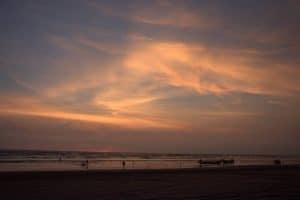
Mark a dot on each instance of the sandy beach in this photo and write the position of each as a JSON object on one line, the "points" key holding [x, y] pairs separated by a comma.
{"points": [[255, 182]]}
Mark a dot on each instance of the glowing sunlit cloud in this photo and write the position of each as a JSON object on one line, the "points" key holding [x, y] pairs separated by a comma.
{"points": [[124, 103], [119, 121], [208, 70], [30, 106], [190, 67]]}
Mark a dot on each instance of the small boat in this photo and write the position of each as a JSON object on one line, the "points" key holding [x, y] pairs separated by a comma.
{"points": [[216, 162]]}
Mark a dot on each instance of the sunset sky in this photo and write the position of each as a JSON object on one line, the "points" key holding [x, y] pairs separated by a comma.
{"points": [[150, 76]]}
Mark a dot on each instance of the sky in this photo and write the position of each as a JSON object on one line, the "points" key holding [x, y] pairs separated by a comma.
{"points": [[150, 76]]}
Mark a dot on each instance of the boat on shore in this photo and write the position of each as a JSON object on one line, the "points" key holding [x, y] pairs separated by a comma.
{"points": [[216, 162]]}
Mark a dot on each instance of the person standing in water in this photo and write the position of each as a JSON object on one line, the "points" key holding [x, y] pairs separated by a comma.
{"points": [[123, 164], [87, 164]]}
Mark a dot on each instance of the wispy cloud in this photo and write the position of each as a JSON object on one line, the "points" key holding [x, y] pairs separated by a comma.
{"points": [[210, 70], [36, 107], [147, 70], [162, 13]]}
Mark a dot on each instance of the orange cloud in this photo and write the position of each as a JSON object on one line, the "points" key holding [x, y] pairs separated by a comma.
{"points": [[34, 107], [130, 85], [208, 70]]}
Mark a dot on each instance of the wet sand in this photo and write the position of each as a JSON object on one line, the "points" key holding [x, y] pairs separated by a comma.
{"points": [[255, 182]]}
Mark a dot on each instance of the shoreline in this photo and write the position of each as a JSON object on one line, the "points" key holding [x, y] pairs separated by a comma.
{"points": [[159, 170]]}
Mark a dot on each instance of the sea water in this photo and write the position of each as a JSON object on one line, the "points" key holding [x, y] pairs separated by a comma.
{"points": [[28, 160]]}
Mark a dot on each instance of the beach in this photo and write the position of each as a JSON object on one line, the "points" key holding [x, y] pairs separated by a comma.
{"points": [[236, 182]]}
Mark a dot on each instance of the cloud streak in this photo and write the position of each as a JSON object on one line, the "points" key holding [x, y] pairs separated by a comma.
{"points": [[209, 70], [162, 13]]}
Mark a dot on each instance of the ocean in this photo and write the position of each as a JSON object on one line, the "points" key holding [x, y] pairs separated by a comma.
{"points": [[32, 160]]}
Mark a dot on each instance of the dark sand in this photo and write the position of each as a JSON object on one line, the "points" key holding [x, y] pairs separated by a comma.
{"points": [[226, 183]]}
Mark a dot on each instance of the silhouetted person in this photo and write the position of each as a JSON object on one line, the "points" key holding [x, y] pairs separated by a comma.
{"points": [[277, 162], [87, 164], [123, 164]]}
